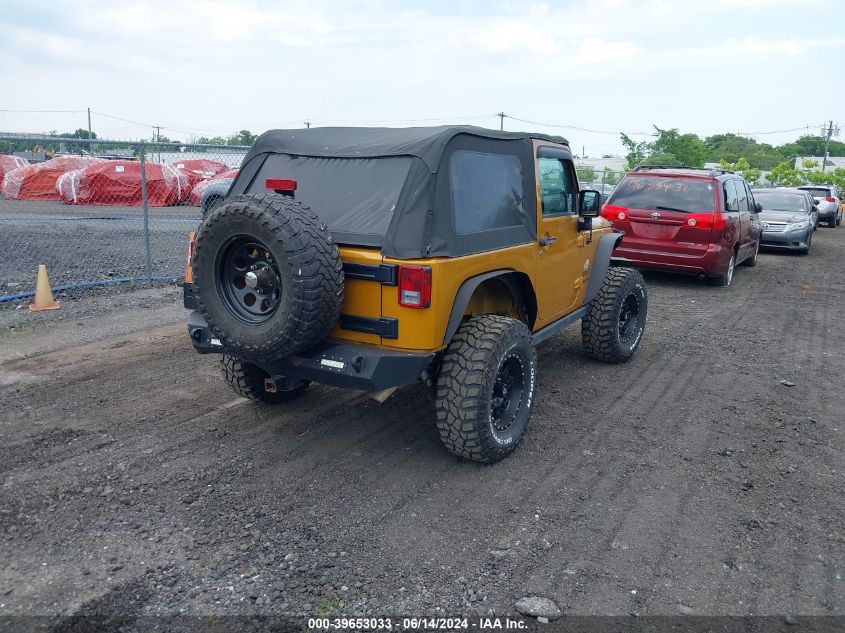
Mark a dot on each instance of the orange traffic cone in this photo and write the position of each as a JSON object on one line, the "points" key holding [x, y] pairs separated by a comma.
{"points": [[43, 295]]}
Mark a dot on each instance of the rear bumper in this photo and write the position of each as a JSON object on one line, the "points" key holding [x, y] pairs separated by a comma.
{"points": [[714, 261], [331, 363], [788, 240]]}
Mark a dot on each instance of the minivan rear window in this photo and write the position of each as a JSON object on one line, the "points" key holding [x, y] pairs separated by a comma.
{"points": [[663, 193]]}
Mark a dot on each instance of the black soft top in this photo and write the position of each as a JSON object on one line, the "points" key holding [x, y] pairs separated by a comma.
{"points": [[427, 143], [392, 188]]}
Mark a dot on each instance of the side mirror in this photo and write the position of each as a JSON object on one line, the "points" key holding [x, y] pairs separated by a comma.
{"points": [[758, 207], [589, 203]]}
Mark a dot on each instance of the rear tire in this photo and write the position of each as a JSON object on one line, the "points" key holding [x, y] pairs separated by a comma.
{"points": [[752, 261], [832, 223], [486, 388], [615, 321], [724, 280], [247, 380]]}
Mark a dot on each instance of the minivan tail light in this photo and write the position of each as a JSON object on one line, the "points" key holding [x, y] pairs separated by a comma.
{"points": [[706, 220], [610, 212], [830, 199], [415, 286]]}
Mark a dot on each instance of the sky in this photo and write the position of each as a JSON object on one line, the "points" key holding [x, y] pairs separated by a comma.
{"points": [[583, 69]]}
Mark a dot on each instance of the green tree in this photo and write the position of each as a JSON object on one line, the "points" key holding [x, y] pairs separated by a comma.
{"points": [[244, 137], [636, 152], [610, 177], [741, 167], [586, 173], [687, 149], [785, 175]]}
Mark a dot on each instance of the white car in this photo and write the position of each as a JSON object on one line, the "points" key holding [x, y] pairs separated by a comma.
{"points": [[827, 199]]}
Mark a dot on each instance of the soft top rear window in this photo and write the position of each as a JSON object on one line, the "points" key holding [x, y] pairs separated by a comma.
{"points": [[663, 193], [354, 196], [817, 192]]}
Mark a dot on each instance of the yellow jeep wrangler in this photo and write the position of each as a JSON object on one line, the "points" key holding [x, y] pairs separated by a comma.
{"points": [[373, 258]]}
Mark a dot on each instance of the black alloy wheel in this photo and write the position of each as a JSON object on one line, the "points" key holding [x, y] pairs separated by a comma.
{"points": [[508, 390], [248, 279]]}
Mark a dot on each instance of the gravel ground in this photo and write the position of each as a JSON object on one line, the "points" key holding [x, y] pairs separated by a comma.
{"points": [[88, 243], [704, 477]]}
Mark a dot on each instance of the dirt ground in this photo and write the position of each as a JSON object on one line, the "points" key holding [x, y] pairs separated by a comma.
{"points": [[704, 477]]}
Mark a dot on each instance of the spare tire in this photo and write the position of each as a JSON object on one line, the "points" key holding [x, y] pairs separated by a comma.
{"points": [[267, 276]]}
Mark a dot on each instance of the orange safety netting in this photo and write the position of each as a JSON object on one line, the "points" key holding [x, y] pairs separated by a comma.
{"points": [[118, 182], [9, 163], [38, 181], [199, 169]]}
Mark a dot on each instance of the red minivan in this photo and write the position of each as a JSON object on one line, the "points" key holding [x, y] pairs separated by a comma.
{"points": [[698, 221]]}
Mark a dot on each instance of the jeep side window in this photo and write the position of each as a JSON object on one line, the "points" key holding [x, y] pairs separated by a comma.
{"points": [[486, 191], [557, 186], [731, 199]]}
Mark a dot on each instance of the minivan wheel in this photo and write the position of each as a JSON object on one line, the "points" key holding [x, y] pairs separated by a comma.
{"points": [[613, 327], [726, 277], [752, 261], [486, 388]]}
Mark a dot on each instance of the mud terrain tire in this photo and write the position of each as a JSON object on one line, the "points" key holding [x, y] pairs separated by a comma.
{"points": [[486, 388], [613, 327], [305, 274], [247, 380]]}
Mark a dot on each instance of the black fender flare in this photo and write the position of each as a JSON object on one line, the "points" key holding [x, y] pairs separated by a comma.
{"points": [[468, 287], [601, 262]]}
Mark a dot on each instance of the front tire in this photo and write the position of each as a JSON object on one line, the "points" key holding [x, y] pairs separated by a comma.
{"points": [[248, 381], [614, 324], [806, 249], [486, 388]]}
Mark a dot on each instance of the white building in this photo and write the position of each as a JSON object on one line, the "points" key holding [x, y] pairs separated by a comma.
{"points": [[832, 162]]}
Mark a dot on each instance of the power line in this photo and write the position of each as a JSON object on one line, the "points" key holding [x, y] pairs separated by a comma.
{"points": [[44, 111], [574, 127]]}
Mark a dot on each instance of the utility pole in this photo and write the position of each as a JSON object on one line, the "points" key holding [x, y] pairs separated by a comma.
{"points": [[501, 116], [308, 124], [830, 132], [89, 130]]}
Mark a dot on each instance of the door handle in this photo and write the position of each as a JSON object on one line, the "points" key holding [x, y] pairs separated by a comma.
{"points": [[547, 239]]}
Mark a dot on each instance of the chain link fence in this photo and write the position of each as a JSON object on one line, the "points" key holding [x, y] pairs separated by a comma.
{"points": [[101, 213]]}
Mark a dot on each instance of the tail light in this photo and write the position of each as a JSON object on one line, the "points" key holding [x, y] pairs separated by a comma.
{"points": [[189, 271], [281, 185], [830, 199], [415, 286], [611, 213], [706, 220]]}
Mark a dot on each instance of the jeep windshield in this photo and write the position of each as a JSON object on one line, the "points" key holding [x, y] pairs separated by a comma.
{"points": [[686, 195]]}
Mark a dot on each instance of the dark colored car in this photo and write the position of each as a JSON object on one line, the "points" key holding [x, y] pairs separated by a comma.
{"points": [[214, 193], [789, 218], [827, 199], [697, 221]]}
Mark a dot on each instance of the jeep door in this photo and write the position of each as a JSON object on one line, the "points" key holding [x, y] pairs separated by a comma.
{"points": [[562, 266]]}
